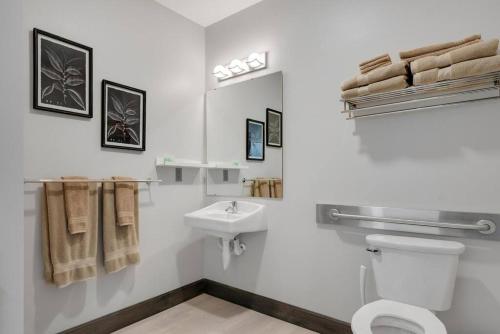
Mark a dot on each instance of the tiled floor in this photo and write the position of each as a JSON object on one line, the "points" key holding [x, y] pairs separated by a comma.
{"points": [[210, 315]]}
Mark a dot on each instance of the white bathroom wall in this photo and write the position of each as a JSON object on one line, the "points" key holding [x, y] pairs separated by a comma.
{"points": [[445, 158], [143, 45], [14, 103]]}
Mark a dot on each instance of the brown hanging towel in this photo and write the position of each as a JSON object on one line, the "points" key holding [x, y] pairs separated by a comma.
{"points": [[121, 242], [67, 258]]}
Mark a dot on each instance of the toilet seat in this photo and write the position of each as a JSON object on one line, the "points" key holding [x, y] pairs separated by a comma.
{"points": [[395, 314]]}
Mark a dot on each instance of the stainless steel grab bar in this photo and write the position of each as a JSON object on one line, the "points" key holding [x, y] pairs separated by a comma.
{"points": [[483, 226]]}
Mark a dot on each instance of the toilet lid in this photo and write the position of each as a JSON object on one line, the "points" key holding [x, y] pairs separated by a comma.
{"points": [[365, 316]]}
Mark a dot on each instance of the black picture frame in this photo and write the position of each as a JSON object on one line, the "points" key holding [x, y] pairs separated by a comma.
{"points": [[250, 139], [62, 75], [128, 104], [270, 135]]}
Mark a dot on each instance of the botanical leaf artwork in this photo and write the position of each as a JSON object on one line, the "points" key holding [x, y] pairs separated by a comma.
{"points": [[255, 138], [63, 76], [123, 117], [274, 128]]}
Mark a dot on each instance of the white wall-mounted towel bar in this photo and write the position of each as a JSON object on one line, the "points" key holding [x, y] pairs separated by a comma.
{"points": [[461, 224]]}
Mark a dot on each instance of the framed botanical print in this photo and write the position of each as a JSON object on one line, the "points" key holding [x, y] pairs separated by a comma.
{"points": [[274, 128], [62, 75], [123, 117], [255, 140]]}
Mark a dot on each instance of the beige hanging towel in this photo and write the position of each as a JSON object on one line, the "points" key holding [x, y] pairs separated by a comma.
{"points": [[474, 51], [278, 184], [438, 49], [276, 188], [379, 74], [264, 188], [67, 257], [121, 243], [387, 85], [272, 189], [76, 202], [256, 188], [124, 200], [460, 70]]}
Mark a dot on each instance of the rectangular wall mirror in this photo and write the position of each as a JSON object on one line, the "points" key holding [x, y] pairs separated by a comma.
{"points": [[245, 138]]}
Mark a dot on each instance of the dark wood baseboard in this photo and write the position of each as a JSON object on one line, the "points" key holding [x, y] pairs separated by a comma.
{"points": [[274, 308], [127, 316]]}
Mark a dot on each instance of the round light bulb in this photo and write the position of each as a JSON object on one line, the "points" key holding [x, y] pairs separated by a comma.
{"points": [[255, 60], [237, 66], [221, 72]]}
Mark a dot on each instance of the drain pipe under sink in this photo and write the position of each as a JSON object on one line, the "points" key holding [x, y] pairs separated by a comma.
{"points": [[229, 247]]}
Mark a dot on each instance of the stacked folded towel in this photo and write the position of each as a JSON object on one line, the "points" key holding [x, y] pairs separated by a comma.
{"points": [[476, 59], [474, 51], [457, 71], [374, 63], [383, 79], [437, 49], [429, 64]]}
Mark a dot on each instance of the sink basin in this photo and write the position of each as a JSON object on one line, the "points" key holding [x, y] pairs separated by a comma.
{"points": [[214, 219]]}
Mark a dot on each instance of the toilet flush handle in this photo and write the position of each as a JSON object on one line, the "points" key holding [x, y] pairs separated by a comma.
{"points": [[373, 250]]}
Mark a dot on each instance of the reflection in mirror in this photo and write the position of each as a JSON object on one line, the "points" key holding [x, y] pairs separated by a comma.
{"points": [[245, 138]]}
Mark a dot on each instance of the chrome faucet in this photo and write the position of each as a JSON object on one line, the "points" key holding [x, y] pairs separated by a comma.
{"points": [[233, 208]]}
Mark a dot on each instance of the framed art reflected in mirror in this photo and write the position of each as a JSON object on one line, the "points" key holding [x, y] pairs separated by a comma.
{"points": [[274, 128], [255, 140]]}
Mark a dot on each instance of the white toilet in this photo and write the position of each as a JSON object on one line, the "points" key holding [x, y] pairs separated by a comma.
{"points": [[415, 277]]}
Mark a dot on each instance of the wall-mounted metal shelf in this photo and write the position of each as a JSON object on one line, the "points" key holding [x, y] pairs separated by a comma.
{"points": [[434, 95]]}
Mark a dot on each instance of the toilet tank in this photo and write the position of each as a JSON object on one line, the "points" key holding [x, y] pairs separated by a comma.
{"points": [[415, 271]]}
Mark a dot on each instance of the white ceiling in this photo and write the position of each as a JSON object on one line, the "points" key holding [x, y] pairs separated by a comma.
{"points": [[207, 12]]}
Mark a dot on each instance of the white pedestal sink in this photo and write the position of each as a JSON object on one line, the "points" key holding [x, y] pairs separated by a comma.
{"points": [[220, 221]]}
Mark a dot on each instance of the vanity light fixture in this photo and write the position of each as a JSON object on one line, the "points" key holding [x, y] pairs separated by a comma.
{"points": [[237, 66], [221, 72], [255, 61]]}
